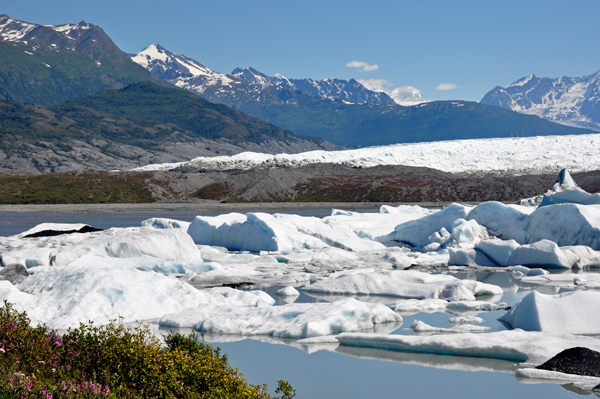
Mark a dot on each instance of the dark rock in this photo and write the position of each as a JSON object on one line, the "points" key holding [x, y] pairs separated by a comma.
{"points": [[52, 233], [15, 273], [578, 361]]}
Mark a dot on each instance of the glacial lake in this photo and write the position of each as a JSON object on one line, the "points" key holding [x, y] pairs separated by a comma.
{"points": [[347, 372]]}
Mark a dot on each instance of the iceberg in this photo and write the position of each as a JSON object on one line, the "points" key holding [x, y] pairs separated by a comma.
{"points": [[420, 327], [571, 312], [404, 284], [131, 242], [296, 320], [565, 190], [253, 232], [417, 232], [64, 296], [514, 345]]}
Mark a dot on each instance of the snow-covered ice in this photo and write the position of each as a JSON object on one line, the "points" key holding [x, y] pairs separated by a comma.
{"points": [[522, 154]]}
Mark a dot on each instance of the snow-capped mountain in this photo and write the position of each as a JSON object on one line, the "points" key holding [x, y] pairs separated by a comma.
{"points": [[50, 64], [71, 37], [180, 70], [569, 101], [246, 83]]}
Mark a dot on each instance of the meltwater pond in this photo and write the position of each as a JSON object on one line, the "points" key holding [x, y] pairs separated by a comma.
{"points": [[353, 372], [332, 371]]}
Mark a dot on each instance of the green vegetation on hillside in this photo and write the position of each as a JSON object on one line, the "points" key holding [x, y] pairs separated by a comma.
{"points": [[142, 114], [89, 187], [149, 105], [113, 361], [45, 77]]}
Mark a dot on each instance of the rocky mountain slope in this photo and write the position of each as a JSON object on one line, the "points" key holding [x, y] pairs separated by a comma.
{"points": [[140, 124], [48, 65], [570, 101], [341, 112]]}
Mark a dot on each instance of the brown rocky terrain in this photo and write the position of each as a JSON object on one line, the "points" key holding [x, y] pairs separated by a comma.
{"points": [[311, 183]]}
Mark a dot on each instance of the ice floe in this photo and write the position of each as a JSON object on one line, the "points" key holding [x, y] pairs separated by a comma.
{"points": [[420, 327], [172, 244], [573, 312], [300, 320], [404, 284], [515, 345]]}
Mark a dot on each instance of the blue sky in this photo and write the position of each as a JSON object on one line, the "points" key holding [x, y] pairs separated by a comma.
{"points": [[465, 47]]}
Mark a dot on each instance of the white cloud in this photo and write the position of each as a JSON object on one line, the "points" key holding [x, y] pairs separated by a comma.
{"points": [[405, 95], [374, 84], [446, 86], [362, 66]]}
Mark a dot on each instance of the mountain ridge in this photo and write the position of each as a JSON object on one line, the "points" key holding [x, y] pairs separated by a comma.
{"points": [[48, 65], [334, 117], [569, 101], [140, 124]]}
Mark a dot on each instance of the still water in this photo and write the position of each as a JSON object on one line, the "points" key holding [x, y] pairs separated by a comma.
{"points": [[346, 372]]}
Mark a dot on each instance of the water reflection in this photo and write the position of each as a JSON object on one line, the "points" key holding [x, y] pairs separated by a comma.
{"points": [[429, 360]]}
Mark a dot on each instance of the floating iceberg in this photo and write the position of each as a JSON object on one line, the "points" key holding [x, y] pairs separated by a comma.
{"points": [[64, 296], [296, 320], [404, 284], [417, 232], [565, 190], [251, 232], [515, 345], [171, 244], [420, 327], [571, 312], [544, 253]]}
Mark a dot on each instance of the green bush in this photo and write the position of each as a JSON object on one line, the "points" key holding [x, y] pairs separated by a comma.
{"points": [[114, 361]]}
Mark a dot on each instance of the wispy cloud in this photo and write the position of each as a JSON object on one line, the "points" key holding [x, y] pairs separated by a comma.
{"points": [[362, 66], [446, 86], [374, 84]]}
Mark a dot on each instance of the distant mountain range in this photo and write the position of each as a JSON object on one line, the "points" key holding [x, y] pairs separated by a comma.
{"points": [[569, 101], [342, 112], [245, 84]]}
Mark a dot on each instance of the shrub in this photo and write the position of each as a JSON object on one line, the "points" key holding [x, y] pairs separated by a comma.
{"points": [[113, 361]]}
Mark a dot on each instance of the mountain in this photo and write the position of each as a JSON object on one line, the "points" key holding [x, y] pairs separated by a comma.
{"points": [[51, 64], [372, 124], [343, 113], [245, 84], [140, 124], [569, 101]]}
